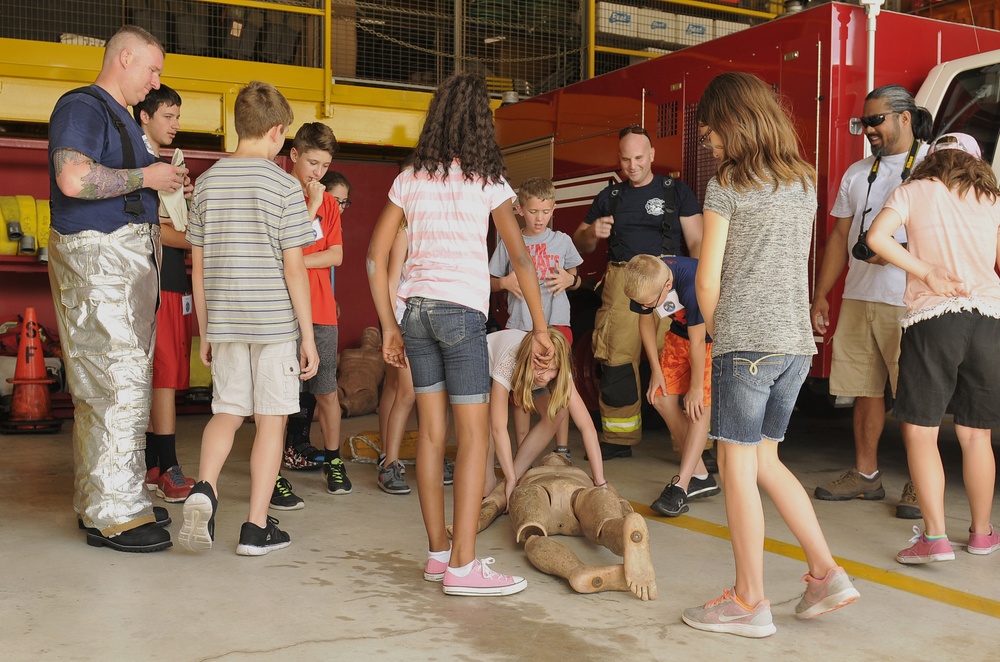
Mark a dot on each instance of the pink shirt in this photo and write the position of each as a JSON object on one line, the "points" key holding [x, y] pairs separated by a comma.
{"points": [[446, 225], [959, 234]]}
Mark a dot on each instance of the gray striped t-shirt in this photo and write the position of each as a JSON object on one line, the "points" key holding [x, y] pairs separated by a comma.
{"points": [[764, 297], [244, 213]]}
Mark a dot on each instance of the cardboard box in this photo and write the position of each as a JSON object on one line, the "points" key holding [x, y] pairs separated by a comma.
{"points": [[693, 30], [656, 25], [722, 28], [616, 19]]}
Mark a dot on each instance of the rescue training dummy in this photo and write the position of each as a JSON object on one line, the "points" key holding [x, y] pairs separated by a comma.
{"points": [[557, 499]]}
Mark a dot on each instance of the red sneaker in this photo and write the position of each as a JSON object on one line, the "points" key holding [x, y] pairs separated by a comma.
{"points": [[173, 487], [152, 477]]}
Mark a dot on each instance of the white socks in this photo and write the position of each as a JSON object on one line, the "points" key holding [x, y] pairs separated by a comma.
{"points": [[463, 571]]}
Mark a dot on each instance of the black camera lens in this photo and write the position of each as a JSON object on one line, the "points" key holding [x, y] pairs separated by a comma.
{"points": [[861, 250]]}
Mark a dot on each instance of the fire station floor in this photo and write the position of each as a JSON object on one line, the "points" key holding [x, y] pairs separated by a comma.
{"points": [[350, 586]]}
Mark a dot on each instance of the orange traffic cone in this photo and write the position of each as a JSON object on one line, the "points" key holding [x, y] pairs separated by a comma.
{"points": [[30, 409]]}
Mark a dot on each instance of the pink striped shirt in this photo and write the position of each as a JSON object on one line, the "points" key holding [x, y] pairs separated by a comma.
{"points": [[446, 230]]}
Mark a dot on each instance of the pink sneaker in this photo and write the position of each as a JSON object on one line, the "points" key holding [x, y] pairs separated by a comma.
{"points": [[483, 581], [926, 551], [983, 544], [434, 570]]}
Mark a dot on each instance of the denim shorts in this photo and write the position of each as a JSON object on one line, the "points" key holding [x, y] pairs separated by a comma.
{"points": [[446, 349], [753, 395]]}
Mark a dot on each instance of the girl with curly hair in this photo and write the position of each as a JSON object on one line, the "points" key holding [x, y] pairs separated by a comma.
{"points": [[452, 183]]}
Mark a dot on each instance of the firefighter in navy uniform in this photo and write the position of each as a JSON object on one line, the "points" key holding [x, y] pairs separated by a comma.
{"points": [[646, 214]]}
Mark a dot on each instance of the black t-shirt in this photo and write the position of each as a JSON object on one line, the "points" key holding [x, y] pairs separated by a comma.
{"points": [[639, 216], [173, 271]]}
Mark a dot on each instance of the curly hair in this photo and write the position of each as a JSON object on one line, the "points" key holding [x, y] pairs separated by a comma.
{"points": [[522, 382], [960, 172], [757, 134], [459, 127]]}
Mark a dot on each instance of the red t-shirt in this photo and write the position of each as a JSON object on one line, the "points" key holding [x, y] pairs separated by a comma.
{"points": [[324, 305]]}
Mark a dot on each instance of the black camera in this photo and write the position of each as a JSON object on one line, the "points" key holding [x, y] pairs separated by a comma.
{"points": [[861, 250]]}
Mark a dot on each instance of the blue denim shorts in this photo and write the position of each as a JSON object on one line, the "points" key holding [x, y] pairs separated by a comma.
{"points": [[753, 395], [446, 349]]}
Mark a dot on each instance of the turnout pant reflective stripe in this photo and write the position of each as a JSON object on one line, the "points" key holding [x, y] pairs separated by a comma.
{"points": [[618, 347]]}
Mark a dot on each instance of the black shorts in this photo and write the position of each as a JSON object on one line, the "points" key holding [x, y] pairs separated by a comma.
{"points": [[953, 359]]}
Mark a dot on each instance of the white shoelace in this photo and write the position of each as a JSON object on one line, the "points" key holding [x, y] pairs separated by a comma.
{"points": [[918, 534], [485, 565]]}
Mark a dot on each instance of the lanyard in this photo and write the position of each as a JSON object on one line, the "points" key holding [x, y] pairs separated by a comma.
{"points": [[873, 174]]}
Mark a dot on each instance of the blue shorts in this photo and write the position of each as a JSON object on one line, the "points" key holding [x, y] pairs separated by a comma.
{"points": [[446, 349], [753, 395]]}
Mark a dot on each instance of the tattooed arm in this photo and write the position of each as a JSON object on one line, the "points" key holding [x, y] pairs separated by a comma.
{"points": [[79, 176]]}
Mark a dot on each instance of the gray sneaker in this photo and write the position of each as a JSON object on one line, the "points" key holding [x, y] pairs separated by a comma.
{"points": [[908, 508], [852, 485], [726, 615], [390, 479], [824, 595], [449, 472]]}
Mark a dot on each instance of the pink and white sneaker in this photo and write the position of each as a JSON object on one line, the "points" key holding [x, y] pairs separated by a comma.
{"points": [[483, 581], [926, 551], [434, 570], [983, 544]]}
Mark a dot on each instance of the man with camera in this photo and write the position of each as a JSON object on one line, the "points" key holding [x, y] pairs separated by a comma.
{"points": [[867, 337]]}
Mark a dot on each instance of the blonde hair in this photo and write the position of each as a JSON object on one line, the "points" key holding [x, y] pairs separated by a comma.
{"points": [[960, 172], [260, 107], [642, 274], [522, 382], [757, 134], [536, 187]]}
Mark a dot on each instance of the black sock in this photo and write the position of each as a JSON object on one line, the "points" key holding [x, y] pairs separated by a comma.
{"points": [[331, 454], [167, 446], [151, 453]]}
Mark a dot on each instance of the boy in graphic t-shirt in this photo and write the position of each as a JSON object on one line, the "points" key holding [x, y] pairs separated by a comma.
{"points": [[556, 260]]}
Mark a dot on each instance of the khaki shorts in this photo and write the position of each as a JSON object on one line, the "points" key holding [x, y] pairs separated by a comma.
{"points": [[866, 349], [252, 379]]}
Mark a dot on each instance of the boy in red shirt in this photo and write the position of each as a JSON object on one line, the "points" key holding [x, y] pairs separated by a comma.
{"points": [[312, 151]]}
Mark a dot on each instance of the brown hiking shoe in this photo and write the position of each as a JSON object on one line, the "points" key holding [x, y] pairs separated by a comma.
{"points": [[907, 508], [852, 485]]}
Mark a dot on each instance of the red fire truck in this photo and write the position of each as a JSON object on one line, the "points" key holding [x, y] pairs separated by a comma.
{"points": [[816, 59]]}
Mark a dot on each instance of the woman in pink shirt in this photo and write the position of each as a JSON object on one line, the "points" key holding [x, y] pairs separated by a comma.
{"points": [[452, 183], [951, 332]]}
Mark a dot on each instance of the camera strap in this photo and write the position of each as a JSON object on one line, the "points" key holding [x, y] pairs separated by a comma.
{"points": [[873, 174]]}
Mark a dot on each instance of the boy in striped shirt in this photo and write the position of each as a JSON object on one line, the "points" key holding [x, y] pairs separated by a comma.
{"points": [[247, 227]]}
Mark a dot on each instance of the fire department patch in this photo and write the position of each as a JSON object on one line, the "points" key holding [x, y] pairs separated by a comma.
{"points": [[654, 207]]}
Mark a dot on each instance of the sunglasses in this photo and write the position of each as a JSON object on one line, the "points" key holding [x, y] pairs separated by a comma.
{"points": [[343, 202], [635, 128], [859, 124]]}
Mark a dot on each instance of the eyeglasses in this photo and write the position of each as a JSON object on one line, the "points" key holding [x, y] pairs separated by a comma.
{"points": [[665, 287], [344, 203], [635, 128], [703, 140], [858, 124]]}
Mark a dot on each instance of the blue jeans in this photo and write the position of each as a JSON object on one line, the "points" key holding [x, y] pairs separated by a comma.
{"points": [[446, 349], [753, 395]]}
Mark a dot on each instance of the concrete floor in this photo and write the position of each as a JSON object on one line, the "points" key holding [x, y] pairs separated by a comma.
{"points": [[350, 585]]}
